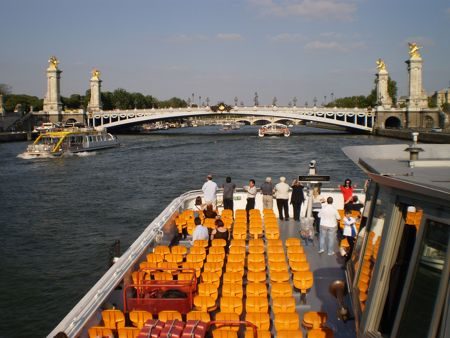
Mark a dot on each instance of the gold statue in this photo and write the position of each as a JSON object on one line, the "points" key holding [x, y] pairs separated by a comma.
{"points": [[381, 65], [414, 50], [95, 74], [53, 62]]}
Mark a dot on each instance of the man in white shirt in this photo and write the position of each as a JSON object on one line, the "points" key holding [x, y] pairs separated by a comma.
{"points": [[210, 191], [200, 231], [282, 195], [329, 216], [251, 195]]}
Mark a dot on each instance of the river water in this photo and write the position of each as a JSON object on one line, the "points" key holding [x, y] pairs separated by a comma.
{"points": [[59, 217]]}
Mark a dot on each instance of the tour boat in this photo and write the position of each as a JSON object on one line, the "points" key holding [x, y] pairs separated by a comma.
{"points": [[70, 140], [44, 127], [272, 282], [274, 129]]}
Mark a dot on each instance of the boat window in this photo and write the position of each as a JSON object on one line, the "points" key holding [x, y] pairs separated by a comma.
{"points": [[429, 276], [371, 234]]}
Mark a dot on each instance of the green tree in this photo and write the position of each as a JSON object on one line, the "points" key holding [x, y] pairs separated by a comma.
{"points": [[25, 101], [139, 101], [107, 100], [122, 99], [5, 89]]}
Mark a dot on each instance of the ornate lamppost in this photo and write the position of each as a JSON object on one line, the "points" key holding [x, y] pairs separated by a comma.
{"points": [[295, 101]]}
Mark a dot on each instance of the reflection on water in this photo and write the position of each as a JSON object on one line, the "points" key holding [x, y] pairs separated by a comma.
{"points": [[60, 216]]}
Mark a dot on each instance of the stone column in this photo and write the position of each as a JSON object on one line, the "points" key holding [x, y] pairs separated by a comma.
{"points": [[95, 103], [383, 98], [52, 101], [417, 98]]}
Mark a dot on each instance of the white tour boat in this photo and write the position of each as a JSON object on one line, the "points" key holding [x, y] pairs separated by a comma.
{"points": [[274, 129]]}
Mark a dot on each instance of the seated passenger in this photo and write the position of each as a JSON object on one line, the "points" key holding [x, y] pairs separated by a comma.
{"points": [[209, 212], [200, 231], [220, 232]]}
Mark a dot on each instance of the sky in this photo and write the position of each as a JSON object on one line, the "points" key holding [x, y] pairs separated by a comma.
{"points": [[222, 49]]}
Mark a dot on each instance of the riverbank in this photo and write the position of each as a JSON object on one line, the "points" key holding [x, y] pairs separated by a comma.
{"points": [[424, 136], [15, 136]]}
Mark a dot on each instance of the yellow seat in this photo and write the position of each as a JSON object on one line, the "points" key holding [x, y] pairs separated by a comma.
{"points": [[283, 304], [297, 257], [235, 267], [213, 267], [148, 266], [176, 258], [294, 249], [196, 266], [162, 275], [172, 266], [214, 258], [274, 242], [324, 332], [260, 333], [256, 289], [202, 316], [275, 250], [138, 277], [283, 289], [256, 277], [255, 242], [185, 276], [217, 250], [279, 276], [218, 242], [260, 319], [314, 320], [292, 241], [232, 277], [299, 266], [304, 281], [255, 231], [198, 250], [231, 304], [155, 257], [287, 321], [169, 315], [256, 304], [179, 250], [162, 250], [113, 319], [237, 242], [276, 257], [239, 233], [195, 258], [208, 289], [289, 334], [220, 333], [240, 250], [256, 267], [278, 267], [128, 332], [138, 318], [210, 277], [232, 289], [201, 243], [255, 250], [256, 258], [100, 331], [272, 233], [204, 303], [236, 258], [227, 316]]}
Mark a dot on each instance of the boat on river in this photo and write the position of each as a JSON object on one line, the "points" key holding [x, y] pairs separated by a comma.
{"points": [[270, 281], [55, 143], [274, 129]]}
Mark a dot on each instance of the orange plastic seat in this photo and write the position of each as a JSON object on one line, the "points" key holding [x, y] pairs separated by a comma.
{"points": [[283, 289], [256, 258], [304, 281], [213, 267], [260, 319], [292, 241], [256, 267], [255, 242], [272, 233], [196, 266], [232, 289], [235, 267], [240, 250], [260, 333], [128, 332], [231, 304], [138, 276], [210, 277], [162, 275], [169, 315], [236, 258], [314, 320], [100, 331], [155, 257], [217, 250], [227, 316], [287, 321], [221, 333], [198, 315], [279, 276], [162, 250], [198, 250], [256, 277], [278, 267], [275, 250], [283, 304], [218, 242], [289, 334], [185, 276], [256, 304], [274, 242], [232, 277], [299, 266], [208, 289], [239, 233], [201, 243], [138, 318], [257, 249], [176, 258], [195, 258], [173, 266], [148, 266], [237, 242], [256, 289], [324, 332], [297, 257], [276, 257], [214, 258], [113, 319], [179, 250], [255, 231], [294, 249], [204, 303]]}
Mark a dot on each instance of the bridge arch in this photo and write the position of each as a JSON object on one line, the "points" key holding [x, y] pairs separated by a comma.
{"points": [[429, 122], [393, 122]]}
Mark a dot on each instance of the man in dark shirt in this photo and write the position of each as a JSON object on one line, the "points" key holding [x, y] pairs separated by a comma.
{"points": [[267, 191], [228, 190]]}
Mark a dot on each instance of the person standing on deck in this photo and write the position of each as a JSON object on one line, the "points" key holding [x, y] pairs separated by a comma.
{"points": [[251, 195], [297, 198], [347, 191], [282, 195], [210, 191], [228, 190], [267, 191], [329, 216]]}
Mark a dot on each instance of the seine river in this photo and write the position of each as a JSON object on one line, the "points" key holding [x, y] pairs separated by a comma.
{"points": [[59, 217]]}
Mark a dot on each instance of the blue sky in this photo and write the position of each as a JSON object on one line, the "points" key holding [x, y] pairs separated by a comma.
{"points": [[223, 48]]}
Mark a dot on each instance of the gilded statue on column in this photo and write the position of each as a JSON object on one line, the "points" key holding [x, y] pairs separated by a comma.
{"points": [[53, 62], [381, 66], [95, 74], [414, 50]]}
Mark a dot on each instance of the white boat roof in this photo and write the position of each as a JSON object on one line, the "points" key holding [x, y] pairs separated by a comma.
{"points": [[431, 171]]}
